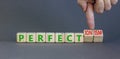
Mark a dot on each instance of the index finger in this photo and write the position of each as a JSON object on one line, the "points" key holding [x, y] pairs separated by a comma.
{"points": [[90, 16]]}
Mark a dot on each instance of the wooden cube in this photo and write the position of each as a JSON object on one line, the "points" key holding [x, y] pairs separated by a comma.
{"points": [[50, 37], [40, 37], [88, 35], [98, 36], [31, 37], [79, 37], [59, 38], [69, 37], [21, 37]]}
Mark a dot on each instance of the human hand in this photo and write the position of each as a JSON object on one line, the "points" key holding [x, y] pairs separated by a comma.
{"points": [[89, 6]]}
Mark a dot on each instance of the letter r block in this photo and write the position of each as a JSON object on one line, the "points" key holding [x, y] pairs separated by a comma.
{"points": [[40, 37]]}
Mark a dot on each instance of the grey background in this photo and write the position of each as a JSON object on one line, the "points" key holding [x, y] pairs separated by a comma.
{"points": [[55, 16]]}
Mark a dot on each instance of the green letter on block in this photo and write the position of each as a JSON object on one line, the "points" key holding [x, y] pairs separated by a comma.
{"points": [[40, 38], [21, 37], [49, 38], [30, 38], [68, 38], [59, 38], [79, 36]]}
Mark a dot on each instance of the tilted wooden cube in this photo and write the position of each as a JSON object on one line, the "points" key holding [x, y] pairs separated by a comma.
{"points": [[88, 35], [98, 35]]}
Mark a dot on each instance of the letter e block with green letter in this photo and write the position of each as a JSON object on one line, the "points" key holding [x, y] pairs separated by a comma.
{"points": [[79, 37], [21, 37], [40, 37], [59, 37], [31, 37], [69, 37], [50, 37]]}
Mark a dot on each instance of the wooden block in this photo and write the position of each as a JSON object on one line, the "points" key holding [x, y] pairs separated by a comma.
{"points": [[98, 36], [79, 37], [31, 37], [50, 37], [88, 35], [21, 37], [59, 37], [40, 37], [69, 37]]}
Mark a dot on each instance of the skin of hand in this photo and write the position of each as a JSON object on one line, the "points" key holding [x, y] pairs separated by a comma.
{"points": [[99, 6]]}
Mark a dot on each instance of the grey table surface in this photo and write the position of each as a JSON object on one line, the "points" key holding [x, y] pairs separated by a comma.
{"points": [[55, 16], [13, 50]]}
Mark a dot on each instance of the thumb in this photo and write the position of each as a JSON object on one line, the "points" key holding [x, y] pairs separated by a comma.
{"points": [[90, 16]]}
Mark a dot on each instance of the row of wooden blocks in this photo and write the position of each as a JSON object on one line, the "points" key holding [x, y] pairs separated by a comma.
{"points": [[86, 36]]}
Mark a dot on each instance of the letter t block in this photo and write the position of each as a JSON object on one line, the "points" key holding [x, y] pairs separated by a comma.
{"points": [[79, 37]]}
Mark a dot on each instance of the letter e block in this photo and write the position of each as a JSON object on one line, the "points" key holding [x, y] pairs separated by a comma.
{"points": [[31, 37], [59, 37]]}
